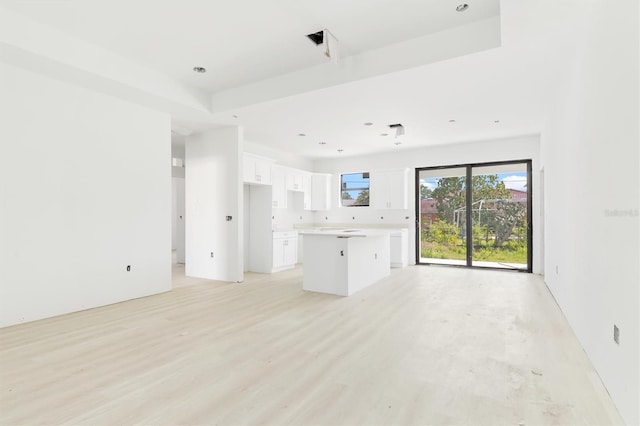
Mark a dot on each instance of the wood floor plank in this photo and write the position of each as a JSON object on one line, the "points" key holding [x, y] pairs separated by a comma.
{"points": [[427, 345]]}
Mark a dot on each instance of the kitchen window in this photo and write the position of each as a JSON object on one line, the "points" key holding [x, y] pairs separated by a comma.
{"points": [[354, 189]]}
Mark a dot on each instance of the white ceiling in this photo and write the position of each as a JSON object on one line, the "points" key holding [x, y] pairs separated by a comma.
{"points": [[244, 42]]}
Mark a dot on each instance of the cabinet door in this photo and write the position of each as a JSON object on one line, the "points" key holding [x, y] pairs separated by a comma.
{"points": [[294, 180], [263, 171], [379, 190], [397, 189], [320, 192], [389, 189], [290, 252], [249, 169], [256, 169], [278, 253], [306, 189], [279, 189]]}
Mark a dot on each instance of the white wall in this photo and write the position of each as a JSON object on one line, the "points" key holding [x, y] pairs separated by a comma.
{"points": [[294, 214], [213, 191], [86, 191], [520, 148], [590, 155], [281, 158]]}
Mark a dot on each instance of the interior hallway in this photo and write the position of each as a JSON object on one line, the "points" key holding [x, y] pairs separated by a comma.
{"points": [[428, 345]]}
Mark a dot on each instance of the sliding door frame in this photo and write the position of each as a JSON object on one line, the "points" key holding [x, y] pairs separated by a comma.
{"points": [[469, 212]]}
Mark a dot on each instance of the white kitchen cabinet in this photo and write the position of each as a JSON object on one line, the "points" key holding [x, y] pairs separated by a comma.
{"points": [[399, 248], [389, 189], [321, 191], [294, 180], [256, 170], [285, 250], [300, 258], [279, 187], [306, 190], [344, 263]]}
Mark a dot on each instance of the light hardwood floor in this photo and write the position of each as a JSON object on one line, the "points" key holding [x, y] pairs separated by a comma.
{"points": [[428, 345]]}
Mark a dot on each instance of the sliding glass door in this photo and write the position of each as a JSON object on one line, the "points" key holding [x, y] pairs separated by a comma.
{"points": [[494, 198], [499, 214], [443, 223]]}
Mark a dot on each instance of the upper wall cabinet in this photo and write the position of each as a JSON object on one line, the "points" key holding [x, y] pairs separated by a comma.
{"points": [[256, 169], [320, 191], [306, 188], [279, 187], [389, 189], [300, 181], [295, 179]]}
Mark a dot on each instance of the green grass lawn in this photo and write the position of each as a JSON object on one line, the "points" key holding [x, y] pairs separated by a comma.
{"points": [[510, 252]]}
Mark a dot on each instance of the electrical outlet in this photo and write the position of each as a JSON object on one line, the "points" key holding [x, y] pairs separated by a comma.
{"points": [[616, 334], [128, 268], [211, 254], [556, 269]]}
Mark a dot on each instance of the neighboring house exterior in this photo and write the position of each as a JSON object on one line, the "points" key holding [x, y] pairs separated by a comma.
{"points": [[429, 207], [518, 195], [428, 212]]}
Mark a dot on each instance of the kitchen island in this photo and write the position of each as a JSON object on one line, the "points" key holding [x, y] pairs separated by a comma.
{"points": [[344, 261]]}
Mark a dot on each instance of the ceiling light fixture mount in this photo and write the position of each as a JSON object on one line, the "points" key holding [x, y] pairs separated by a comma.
{"points": [[399, 129], [200, 70], [462, 7], [328, 42]]}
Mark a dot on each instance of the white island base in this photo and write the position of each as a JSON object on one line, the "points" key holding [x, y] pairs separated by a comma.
{"points": [[344, 262]]}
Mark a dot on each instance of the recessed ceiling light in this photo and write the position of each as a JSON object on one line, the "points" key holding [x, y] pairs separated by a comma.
{"points": [[301, 134], [322, 143], [462, 7], [200, 70], [452, 121], [368, 124], [384, 134]]}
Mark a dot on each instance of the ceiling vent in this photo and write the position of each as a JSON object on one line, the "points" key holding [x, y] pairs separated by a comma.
{"points": [[328, 43], [399, 129], [316, 38]]}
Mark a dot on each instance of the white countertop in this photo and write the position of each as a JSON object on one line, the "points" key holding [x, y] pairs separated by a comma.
{"points": [[344, 233]]}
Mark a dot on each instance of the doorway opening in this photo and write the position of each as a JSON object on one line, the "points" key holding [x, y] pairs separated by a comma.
{"points": [[475, 215]]}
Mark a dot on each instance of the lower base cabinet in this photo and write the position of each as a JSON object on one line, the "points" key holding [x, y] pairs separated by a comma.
{"points": [[399, 249], [285, 250]]}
